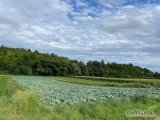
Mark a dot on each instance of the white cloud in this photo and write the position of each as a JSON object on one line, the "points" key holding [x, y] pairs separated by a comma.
{"points": [[109, 31], [122, 24], [114, 2]]}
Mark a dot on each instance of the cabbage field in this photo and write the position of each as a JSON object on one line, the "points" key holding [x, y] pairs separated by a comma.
{"points": [[59, 93]]}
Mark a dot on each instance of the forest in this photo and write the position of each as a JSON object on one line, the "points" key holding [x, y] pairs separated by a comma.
{"points": [[21, 61]]}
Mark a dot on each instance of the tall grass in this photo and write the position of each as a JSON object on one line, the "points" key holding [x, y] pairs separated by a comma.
{"points": [[102, 110], [7, 86], [4, 83], [15, 101]]}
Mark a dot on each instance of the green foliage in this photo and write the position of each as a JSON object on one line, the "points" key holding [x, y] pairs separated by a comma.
{"points": [[140, 98], [101, 110], [13, 100], [4, 84], [61, 93], [113, 82], [7, 86], [25, 105], [25, 62]]}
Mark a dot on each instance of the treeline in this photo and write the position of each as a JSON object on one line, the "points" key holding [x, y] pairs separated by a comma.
{"points": [[25, 62]]}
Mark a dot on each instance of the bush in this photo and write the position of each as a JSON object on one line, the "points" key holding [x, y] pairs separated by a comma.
{"points": [[5, 72]]}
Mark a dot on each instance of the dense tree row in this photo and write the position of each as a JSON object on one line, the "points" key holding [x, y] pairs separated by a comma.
{"points": [[24, 61]]}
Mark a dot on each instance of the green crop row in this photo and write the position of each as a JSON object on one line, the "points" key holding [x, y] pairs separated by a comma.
{"points": [[59, 93]]}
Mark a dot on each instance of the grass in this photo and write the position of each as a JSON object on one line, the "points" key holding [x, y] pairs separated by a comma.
{"points": [[7, 86], [113, 82], [16, 104], [102, 110], [4, 85], [120, 79]]}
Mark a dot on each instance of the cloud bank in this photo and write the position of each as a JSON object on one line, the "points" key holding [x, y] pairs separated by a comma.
{"points": [[123, 31]]}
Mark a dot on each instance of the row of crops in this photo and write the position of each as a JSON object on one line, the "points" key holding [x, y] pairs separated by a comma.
{"points": [[58, 93]]}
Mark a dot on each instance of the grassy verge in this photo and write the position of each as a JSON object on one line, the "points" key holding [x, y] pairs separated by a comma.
{"points": [[113, 82], [16, 104], [102, 110]]}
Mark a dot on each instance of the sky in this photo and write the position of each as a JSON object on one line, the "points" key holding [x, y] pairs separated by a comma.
{"points": [[122, 31]]}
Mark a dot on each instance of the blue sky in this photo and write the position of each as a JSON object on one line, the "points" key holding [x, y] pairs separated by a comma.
{"points": [[122, 31]]}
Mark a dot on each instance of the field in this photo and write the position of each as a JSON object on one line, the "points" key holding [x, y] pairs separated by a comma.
{"points": [[59, 93], [113, 82], [46, 98]]}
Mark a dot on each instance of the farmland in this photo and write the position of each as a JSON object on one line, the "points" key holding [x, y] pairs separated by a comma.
{"points": [[44, 98], [59, 93], [112, 82]]}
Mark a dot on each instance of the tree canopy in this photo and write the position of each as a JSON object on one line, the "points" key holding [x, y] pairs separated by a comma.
{"points": [[24, 61]]}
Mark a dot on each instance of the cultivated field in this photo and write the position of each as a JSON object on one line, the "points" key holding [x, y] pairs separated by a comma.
{"points": [[58, 93], [112, 82], [68, 101]]}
